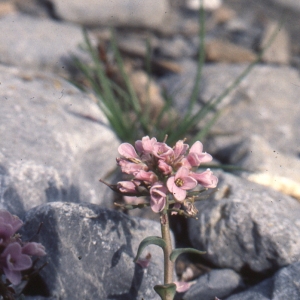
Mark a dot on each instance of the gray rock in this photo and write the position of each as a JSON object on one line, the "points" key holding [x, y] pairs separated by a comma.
{"points": [[216, 283], [283, 285], [90, 252], [266, 103], [291, 4], [267, 166], [176, 48], [55, 143], [148, 13], [279, 51], [245, 226], [34, 7], [39, 44]]}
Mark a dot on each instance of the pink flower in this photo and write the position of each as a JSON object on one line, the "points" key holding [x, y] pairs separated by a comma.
{"points": [[144, 262], [177, 205], [164, 167], [9, 224], [196, 156], [127, 187], [181, 182], [130, 167], [162, 151], [158, 193], [206, 178], [182, 286], [145, 145], [180, 149], [33, 248], [127, 151], [148, 177], [14, 261]]}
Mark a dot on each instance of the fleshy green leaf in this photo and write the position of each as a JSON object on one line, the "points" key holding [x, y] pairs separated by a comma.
{"points": [[150, 240], [166, 291], [176, 252]]}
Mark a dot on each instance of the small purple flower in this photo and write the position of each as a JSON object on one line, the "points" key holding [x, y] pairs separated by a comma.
{"points": [[128, 187], [148, 177], [158, 193], [180, 149], [128, 151], [164, 167], [130, 167], [9, 224], [206, 178], [144, 262], [145, 146], [181, 182], [196, 156], [182, 286], [14, 261], [33, 248], [162, 151]]}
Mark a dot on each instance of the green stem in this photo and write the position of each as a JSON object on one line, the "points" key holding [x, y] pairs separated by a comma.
{"points": [[166, 236]]}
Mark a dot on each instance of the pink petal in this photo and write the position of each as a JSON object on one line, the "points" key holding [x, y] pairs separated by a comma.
{"points": [[157, 206], [139, 146], [148, 144], [163, 151], [185, 163], [189, 183], [182, 286], [158, 197], [143, 262], [23, 263], [196, 159], [197, 147], [182, 172], [146, 176], [180, 148], [13, 276], [145, 145], [177, 205], [127, 187], [13, 249], [164, 167], [178, 193], [130, 167], [127, 150], [33, 248], [206, 178], [171, 183]]}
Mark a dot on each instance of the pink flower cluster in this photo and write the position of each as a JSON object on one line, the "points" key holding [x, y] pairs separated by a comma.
{"points": [[15, 255], [160, 170]]}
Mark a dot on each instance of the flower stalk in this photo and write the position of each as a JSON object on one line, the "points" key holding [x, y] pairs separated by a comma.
{"points": [[166, 236]]}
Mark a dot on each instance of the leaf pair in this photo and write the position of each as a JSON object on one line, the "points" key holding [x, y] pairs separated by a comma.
{"points": [[158, 241]]}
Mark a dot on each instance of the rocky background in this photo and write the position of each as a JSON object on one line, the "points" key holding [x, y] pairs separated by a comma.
{"points": [[55, 144]]}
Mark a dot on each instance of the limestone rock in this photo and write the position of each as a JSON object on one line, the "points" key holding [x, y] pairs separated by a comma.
{"points": [[266, 103], [265, 165], [278, 50], [283, 285], [90, 252], [55, 143], [246, 226], [291, 4], [224, 51], [134, 13], [220, 283], [39, 44]]}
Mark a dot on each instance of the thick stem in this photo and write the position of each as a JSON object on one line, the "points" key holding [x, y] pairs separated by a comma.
{"points": [[166, 236]]}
